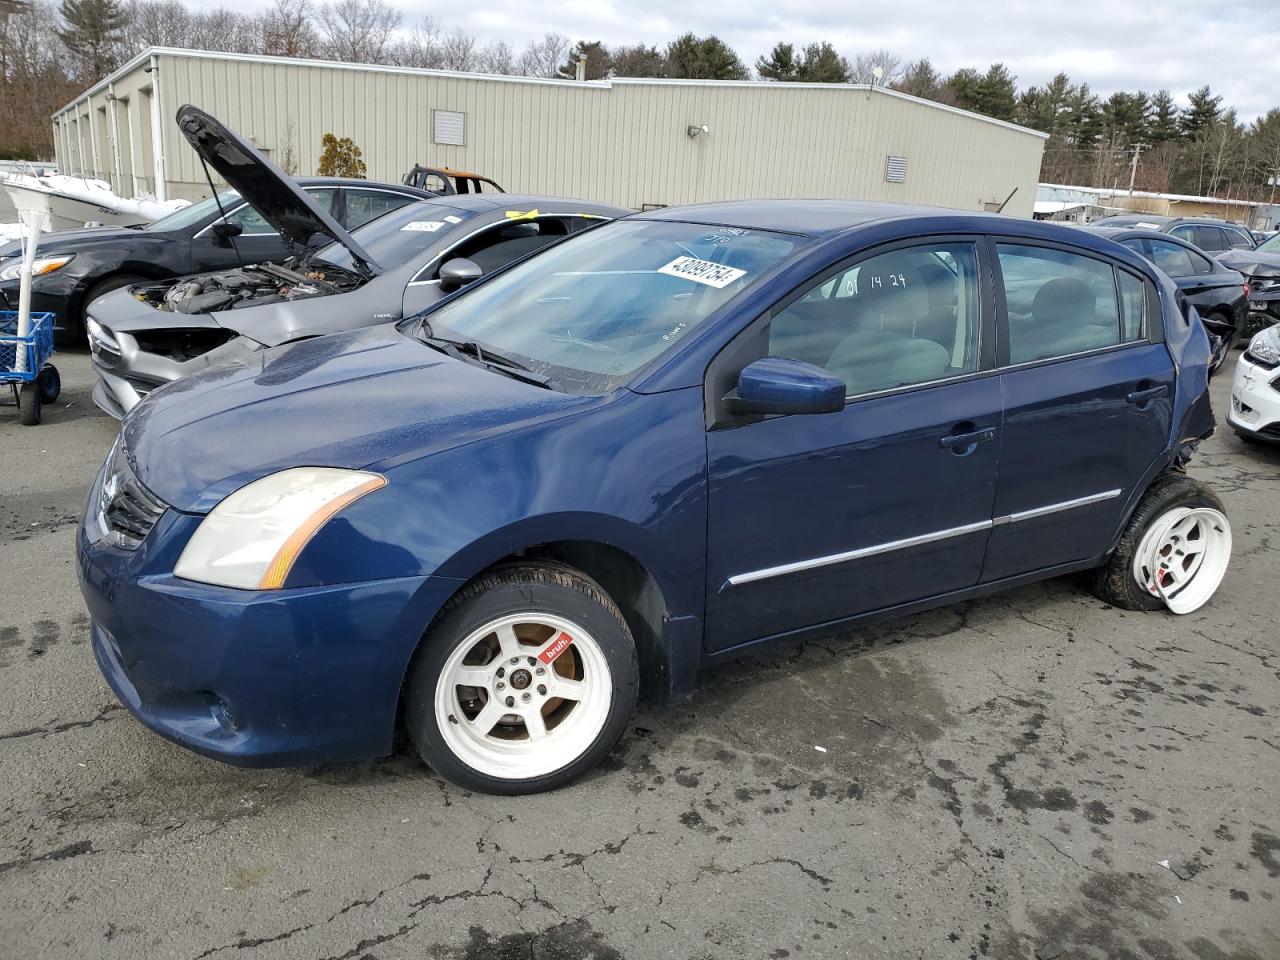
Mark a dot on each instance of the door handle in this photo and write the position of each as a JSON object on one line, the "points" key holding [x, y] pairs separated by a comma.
{"points": [[970, 438], [1140, 397]]}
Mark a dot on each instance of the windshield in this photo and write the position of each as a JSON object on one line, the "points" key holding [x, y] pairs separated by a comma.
{"points": [[1271, 245], [593, 309], [394, 238], [198, 212]]}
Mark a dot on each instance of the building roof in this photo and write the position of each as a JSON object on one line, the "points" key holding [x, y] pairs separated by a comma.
{"points": [[868, 89], [1150, 195]]}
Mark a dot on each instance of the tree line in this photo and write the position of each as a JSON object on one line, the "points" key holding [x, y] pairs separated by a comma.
{"points": [[49, 53]]}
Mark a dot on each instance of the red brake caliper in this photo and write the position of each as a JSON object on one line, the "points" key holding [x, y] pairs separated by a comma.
{"points": [[556, 647]]}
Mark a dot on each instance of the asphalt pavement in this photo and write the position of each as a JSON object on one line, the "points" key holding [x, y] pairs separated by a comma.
{"points": [[1006, 778]]}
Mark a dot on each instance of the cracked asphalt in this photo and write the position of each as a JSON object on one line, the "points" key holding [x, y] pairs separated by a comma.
{"points": [[996, 779]]}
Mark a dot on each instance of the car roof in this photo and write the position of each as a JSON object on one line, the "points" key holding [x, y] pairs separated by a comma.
{"points": [[360, 182], [525, 202], [812, 218]]}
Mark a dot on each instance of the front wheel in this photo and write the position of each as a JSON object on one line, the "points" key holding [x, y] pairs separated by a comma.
{"points": [[525, 682], [1174, 551]]}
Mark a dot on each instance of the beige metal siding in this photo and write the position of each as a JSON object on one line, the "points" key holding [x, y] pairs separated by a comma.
{"points": [[624, 142]]}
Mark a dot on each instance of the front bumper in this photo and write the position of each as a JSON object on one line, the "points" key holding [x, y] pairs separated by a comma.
{"points": [[44, 300], [271, 678], [1264, 302], [1255, 400]]}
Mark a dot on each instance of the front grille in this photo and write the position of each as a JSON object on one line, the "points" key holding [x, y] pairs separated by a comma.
{"points": [[127, 509]]}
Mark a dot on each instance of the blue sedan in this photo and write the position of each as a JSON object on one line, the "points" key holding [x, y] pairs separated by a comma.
{"points": [[641, 452]]}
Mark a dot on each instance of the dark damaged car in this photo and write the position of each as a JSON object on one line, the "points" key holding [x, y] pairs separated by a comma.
{"points": [[147, 334], [646, 450]]}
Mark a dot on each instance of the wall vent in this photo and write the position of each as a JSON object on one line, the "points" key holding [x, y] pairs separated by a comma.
{"points": [[895, 169], [449, 127]]}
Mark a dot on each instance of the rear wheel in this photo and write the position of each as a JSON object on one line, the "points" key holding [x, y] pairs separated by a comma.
{"points": [[49, 382], [525, 682], [1174, 551]]}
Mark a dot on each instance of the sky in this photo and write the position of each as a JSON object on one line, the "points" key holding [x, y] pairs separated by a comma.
{"points": [[1110, 44]]}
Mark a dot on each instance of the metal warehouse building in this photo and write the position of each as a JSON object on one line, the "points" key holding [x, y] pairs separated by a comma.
{"points": [[631, 142]]}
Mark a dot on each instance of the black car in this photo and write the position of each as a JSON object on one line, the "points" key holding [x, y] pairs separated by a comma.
{"points": [[1216, 291], [75, 267], [1233, 246]]}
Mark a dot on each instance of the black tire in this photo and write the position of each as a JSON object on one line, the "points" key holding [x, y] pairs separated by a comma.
{"points": [[49, 382], [1114, 582], [29, 400], [530, 586], [99, 289]]}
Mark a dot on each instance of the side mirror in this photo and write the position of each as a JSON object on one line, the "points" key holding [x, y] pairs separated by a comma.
{"points": [[776, 385], [225, 231], [458, 272]]}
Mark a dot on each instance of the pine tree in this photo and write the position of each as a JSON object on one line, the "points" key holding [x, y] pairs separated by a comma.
{"points": [[703, 58], [1163, 127], [92, 32], [998, 93], [821, 64], [595, 53], [781, 64], [1201, 115]]}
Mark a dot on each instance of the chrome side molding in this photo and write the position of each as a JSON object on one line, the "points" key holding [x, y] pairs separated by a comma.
{"points": [[781, 570]]}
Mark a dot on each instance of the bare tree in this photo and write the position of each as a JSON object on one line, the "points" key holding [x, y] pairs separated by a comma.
{"points": [[458, 51], [865, 64], [542, 58], [288, 30], [497, 57], [357, 31]]}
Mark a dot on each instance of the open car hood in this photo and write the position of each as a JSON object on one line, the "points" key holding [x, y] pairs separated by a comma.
{"points": [[271, 191]]}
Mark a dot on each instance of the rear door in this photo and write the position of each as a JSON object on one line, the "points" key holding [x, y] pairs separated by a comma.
{"points": [[1087, 388], [817, 518]]}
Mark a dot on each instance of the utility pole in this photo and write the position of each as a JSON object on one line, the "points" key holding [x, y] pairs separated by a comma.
{"points": [[1133, 169]]}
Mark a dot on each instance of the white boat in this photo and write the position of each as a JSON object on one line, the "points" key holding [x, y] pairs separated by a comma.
{"points": [[67, 203]]}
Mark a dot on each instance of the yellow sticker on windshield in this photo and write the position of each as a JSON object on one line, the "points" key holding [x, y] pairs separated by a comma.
{"points": [[522, 215]]}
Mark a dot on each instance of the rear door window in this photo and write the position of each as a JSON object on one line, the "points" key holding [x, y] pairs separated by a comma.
{"points": [[365, 206], [1058, 303], [1173, 259], [1133, 306]]}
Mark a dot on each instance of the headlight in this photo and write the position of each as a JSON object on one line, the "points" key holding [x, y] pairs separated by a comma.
{"points": [[1266, 346], [39, 267], [251, 539]]}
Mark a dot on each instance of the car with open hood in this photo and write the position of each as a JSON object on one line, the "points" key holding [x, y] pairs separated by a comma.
{"points": [[1218, 293], [234, 226], [646, 450]]}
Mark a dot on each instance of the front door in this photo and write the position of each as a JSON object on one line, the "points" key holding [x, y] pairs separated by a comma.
{"points": [[1087, 395], [817, 518]]}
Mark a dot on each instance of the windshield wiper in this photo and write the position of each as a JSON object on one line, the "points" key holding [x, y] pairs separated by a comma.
{"points": [[486, 356]]}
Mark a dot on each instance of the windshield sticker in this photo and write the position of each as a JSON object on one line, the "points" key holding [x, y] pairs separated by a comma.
{"points": [[702, 271], [452, 219], [1149, 226], [428, 226], [523, 214]]}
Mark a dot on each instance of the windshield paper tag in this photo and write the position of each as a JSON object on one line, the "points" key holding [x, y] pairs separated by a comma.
{"points": [[450, 218], [430, 226], [702, 271]]}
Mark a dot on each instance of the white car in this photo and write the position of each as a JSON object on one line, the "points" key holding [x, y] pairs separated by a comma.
{"points": [[1255, 394]]}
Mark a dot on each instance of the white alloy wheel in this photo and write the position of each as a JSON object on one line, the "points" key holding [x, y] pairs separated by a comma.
{"points": [[523, 696], [1183, 557]]}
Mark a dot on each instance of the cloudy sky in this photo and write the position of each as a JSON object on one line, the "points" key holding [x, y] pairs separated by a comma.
{"points": [[1111, 44]]}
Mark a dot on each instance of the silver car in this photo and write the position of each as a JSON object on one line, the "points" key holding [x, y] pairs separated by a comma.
{"points": [[148, 334]]}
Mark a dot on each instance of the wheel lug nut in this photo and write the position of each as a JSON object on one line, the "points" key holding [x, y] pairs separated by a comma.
{"points": [[540, 671], [532, 661], [525, 697], [542, 689], [501, 685], [502, 672], [515, 660], [511, 701]]}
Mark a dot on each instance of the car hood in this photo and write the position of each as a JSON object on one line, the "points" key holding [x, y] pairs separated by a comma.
{"points": [[351, 400], [63, 241], [1252, 263], [271, 191]]}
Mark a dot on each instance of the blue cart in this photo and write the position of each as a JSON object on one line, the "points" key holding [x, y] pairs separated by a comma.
{"points": [[38, 382]]}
